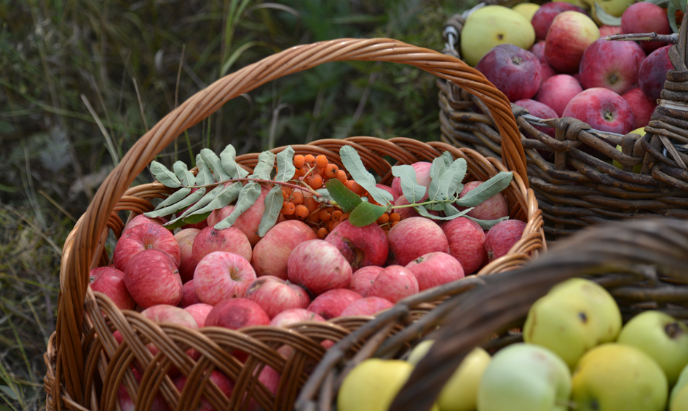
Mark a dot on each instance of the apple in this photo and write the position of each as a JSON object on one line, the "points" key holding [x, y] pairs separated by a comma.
{"points": [[230, 240], [638, 167], [573, 317], [646, 18], [294, 315], [236, 313], [539, 50], [394, 283], [569, 35], [524, 377], [618, 377], [189, 296], [542, 111], [526, 10], [546, 72], [389, 190], [220, 380], [405, 212], [653, 72], [168, 314], [199, 225], [272, 252], [152, 278], [423, 178], [126, 403], [275, 295], [491, 209], [249, 221], [661, 337], [363, 279], [110, 281], [414, 237], [372, 385], [603, 109], [606, 31], [545, 15], [613, 7], [613, 65], [361, 246], [466, 243], [185, 239], [435, 269], [144, 237], [318, 266], [331, 303], [514, 71], [199, 312], [678, 399], [557, 92], [367, 306], [641, 106], [221, 275], [502, 237], [142, 219]]}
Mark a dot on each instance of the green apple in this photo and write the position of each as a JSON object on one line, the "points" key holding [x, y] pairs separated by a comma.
{"points": [[525, 377], [636, 168], [618, 377], [491, 26], [526, 10], [613, 7], [660, 336], [572, 318], [678, 400], [682, 382]]}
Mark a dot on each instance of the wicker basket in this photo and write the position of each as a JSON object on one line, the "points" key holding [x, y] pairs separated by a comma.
{"points": [[85, 364], [573, 187], [642, 263]]}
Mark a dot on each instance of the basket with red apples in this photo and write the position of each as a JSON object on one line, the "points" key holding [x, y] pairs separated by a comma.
{"points": [[229, 282], [602, 118]]}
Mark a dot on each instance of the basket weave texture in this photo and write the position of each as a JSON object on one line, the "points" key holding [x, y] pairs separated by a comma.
{"points": [[85, 364], [641, 263], [574, 187]]}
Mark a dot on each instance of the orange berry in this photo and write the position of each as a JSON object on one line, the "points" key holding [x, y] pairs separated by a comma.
{"points": [[297, 197], [296, 175], [356, 188], [331, 170], [319, 170], [313, 218], [394, 223], [303, 171], [301, 211], [288, 208], [330, 226], [350, 185], [315, 181], [383, 219], [341, 176], [322, 233], [345, 216], [281, 218], [299, 161], [336, 216], [336, 224], [312, 204], [394, 217], [321, 161], [315, 229], [325, 215], [310, 160], [286, 192]]}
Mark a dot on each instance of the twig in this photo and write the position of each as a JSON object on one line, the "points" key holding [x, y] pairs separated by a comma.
{"points": [[138, 96], [108, 140], [56, 204], [665, 38], [234, 180]]}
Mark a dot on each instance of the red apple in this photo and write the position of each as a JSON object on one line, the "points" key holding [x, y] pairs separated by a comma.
{"points": [[610, 30], [641, 106], [367, 306], [110, 281], [272, 252], [502, 237], [539, 110], [613, 65], [363, 279], [222, 382], [414, 237], [558, 91], [142, 219], [394, 283], [653, 72], [236, 313], [295, 315], [603, 109], [546, 72], [152, 278], [422, 177], [199, 312], [189, 296], [569, 35], [466, 243], [646, 18], [275, 295], [539, 50], [249, 221], [185, 239], [491, 209], [127, 404], [389, 190], [545, 15], [168, 314], [230, 240], [221, 275], [514, 71], [144, 237], [361, 246], [435, 269], [318, 266], [332, 303], [406, 212]]}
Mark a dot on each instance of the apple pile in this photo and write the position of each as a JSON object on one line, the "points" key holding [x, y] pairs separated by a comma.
{"points": [[556, 62], [576, 356]]}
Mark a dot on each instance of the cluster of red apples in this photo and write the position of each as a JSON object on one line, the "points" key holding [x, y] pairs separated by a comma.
{"points": [[574, 71]]}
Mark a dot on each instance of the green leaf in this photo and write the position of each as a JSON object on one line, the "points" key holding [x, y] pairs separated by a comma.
{"points": [[444, 187], [409, 185], [164, 176], [366, 213], [183, 174], [346, 199], [204, 176], [196, 218], [191, 199], [273, 205], [326, 197], [679, 5], [285, 165], [486, 190], [440, 164], [213, 162], [247, 197], [671, 15], [230, 165], [228, 194], [605, 17], [9, 392], [487, 224], [210, 196], [354, 165], [657, 2], [423, 212], [266, 162], [178, 195]]}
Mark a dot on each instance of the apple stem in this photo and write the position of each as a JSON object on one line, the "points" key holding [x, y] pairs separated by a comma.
{"points": [[665, 38]]}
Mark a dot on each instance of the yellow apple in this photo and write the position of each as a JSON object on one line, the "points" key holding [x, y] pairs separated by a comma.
{"points": [[491, 26], [613, 7], [526, 10], [636, 168], [419, 352], [678, 400]]}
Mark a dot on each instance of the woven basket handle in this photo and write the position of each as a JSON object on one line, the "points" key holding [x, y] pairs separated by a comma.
{"points": [[77, 255]]}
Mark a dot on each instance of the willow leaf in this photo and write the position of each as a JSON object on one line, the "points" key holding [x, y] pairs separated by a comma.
{"points": [[409, 185], [266, 161], [164, 175], [182, 172], [346, 199], [229, 164], [247, 197], [273, 205], [210, 196], [486, 190], [213, 162], [487, 224], [366, 213], [178, 195], [423, 212], [204, 176], [444, 187], [354, 165], [325, 195], [285, 165], [228, 194], [171, 209]]}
